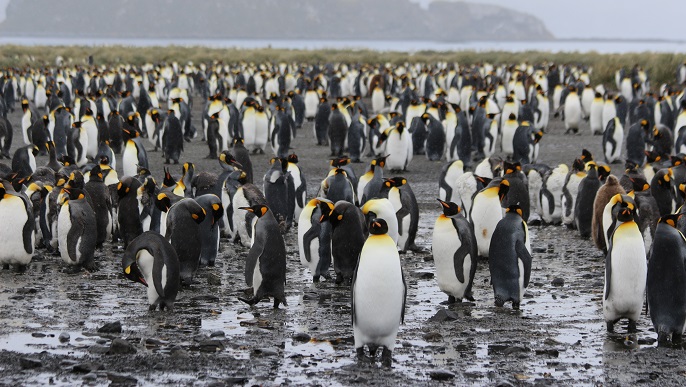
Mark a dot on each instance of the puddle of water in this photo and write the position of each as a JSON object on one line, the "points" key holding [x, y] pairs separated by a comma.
{"points": [[28, 344]]}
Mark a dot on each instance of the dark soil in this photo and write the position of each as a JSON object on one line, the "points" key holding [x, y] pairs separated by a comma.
{"points": [[50, 317]]}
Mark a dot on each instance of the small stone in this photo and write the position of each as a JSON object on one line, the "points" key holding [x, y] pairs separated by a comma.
{"points": [[441, 375], [423, 275], [29, 363], [432, 337], [64, 337], [98, 349], [84, 368], [218, 334], [116, 378], [38, 334], [214, 279], [27, 290], [558, 282], [264, 352], [114, 327], [444, 315], [90, 377], [540, 249], [548, 352], [236, 380], [301, 337], [210, 346], [121, 347]]}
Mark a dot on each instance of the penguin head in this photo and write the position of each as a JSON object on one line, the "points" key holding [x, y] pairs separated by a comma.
{"points": [[34, 150], [663, 177], [163, 201], [199, 214], [334, 107], [46, 120], [512, 117], [76, 124], [676, 160], [503, 189], [340, 162], [226, 158], [76, 180], [652, 156], [586, 156], [326, 207], [682, 190], [450, 209], [339, 171], [379, 162], [639, 184], [671, 219], [510, 168], [238, 140], [104, 160], [24, 104], [258, 209], [538, 136], [217, 212], [168, 180], [378, 226], [131, 269], [72, 194], [292, 158], [603, 172], [515, 209], [397, 181], [625, 208], [96, 174], [630, 166]]}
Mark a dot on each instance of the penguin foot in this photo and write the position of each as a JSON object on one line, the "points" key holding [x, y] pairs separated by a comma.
{"points": [[631, 328], [451, 300], [211, 156], [610, 325], [499, 302], [677, 338], [359, 354], [515, 305], [6, 266], [372, 350], [386, 357], [415, 248]]}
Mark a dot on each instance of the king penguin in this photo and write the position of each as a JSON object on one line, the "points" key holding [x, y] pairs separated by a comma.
{"points": [[265, 266], [509, 258], [347, 239], [314, 238], [666, 281], [17, 230], [625, 270], [399, 192], [76, 223], [208, 230], [378, 294], [152, 261], [183, 223], [454, 252], [486, 212]]}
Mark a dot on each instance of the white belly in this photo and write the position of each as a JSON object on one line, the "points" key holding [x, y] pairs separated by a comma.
{"points": [[63, 227], [444, 244], [130, 159], [378, 294], [629, 272], [486, 213], [14, 217]]}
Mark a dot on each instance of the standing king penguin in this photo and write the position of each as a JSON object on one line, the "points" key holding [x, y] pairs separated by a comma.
{"points": [[265, 267], [378, 294]]}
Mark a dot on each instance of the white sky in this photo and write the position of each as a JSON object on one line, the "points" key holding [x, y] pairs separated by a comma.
{"points": [[626, 19]]}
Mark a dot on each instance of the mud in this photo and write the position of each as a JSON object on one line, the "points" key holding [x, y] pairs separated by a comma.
{"points": [[212, 338]]}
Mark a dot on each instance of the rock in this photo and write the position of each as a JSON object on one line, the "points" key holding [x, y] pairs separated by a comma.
{"points": [[214, 279], [423, 275], [27, 290], [301, 337], [503, 383], [84, 368], [178, 353], [432, 337], [444, 315], [29, 363], [441, 375], [121, 347], [236, 380], [64, 337], [38, 334], [549, 352], [90, 377], [116, 378], [540, 249], [218, 334], [114, 327], [98, 349], [558, 282], [209, 346], [264, 352]]}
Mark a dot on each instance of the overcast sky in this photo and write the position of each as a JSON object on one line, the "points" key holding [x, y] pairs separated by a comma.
{"points": [[626, 19]]}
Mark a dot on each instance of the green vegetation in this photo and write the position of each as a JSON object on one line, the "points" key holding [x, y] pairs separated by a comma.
{"points": [[661, 68]]}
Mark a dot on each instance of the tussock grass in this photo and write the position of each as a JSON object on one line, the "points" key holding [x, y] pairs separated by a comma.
{"points": [[661, 67]]}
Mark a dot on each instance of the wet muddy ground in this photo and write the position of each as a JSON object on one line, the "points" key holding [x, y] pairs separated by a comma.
{"points": [[52, 320]]}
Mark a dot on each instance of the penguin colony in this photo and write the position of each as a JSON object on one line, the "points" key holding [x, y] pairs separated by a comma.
{"points": [[88, 121]]}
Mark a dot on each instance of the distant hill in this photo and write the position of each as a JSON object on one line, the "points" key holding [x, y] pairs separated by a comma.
{"points": [[270, 19]]}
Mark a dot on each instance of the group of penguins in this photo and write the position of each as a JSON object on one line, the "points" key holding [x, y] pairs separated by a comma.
{"points": [[84, 118]]}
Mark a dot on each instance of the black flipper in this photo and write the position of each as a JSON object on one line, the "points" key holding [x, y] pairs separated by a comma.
{"points": [[525, 256]]}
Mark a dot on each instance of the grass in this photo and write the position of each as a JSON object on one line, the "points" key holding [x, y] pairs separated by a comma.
{"points": [[661, 68]]}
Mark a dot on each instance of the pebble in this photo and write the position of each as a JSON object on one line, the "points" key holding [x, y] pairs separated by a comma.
{"points": [[301, 337], [444, 315], [210, 346], [87, 367], [121, 347], [38, 334], [64, 337], [218, 334], [29, 363], [558, 282], [98, 349], [116, 378], [214, 279], [265, 352], [441, 375], [90, 377], [114, 327]]}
